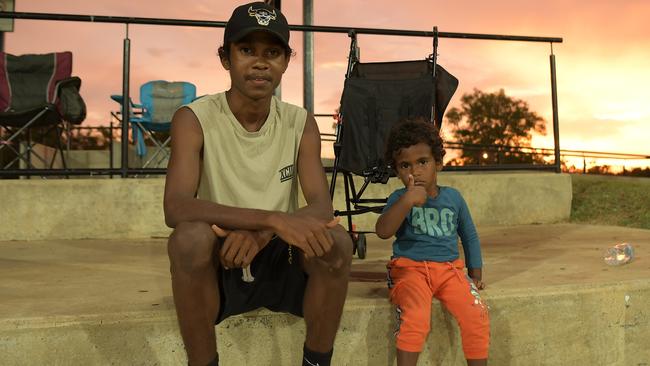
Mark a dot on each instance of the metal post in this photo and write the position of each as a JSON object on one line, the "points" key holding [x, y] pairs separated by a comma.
{"points": [[353, 58], [68, 133], [124, 166], [556, 122], [434, 59], [278, 91], [110, 147], [308, 58]]}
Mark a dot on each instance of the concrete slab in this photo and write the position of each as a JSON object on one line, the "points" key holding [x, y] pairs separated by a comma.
{"points": [[553, 302]]}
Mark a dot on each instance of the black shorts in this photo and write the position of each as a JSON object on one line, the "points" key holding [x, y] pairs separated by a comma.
{"points": [[278, 285]]}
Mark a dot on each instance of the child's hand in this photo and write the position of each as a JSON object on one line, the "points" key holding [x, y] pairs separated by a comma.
{"points": [[417, 193], [476, 274], [479, 284]]}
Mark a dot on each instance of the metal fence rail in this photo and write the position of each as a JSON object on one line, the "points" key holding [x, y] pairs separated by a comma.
{"points": [[125, 170]]}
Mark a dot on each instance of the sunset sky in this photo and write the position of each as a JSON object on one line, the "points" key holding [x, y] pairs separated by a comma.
{"points": [[603, 65]]}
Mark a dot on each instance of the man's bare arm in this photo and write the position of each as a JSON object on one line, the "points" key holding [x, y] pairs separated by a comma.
{"points": [[312, 175]]}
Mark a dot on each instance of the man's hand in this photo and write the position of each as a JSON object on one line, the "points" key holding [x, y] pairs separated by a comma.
{"points": [[416, 194], [307, 233], [476, 275], [240, 246]]}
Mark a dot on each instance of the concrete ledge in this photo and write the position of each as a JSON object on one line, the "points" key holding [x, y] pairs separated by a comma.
{"points": [[39, 209], [93, 159], [494, 198], [81, 208], [553, 301], [571, 325]]}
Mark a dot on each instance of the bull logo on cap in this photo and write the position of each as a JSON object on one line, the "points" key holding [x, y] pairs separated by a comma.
{"points": [[263, 16]]}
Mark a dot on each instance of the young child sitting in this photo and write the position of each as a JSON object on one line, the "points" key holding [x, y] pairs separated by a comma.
{"points": [[427, 220]]}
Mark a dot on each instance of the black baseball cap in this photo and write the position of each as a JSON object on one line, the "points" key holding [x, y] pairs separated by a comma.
{"points": [[256, 16]]}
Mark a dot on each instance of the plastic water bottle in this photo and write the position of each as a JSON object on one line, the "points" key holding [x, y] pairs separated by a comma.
{"points": [[619, 254]]}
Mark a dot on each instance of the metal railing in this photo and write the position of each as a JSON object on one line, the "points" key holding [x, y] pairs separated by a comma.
{"points": [[106, 141], [124, 170]]}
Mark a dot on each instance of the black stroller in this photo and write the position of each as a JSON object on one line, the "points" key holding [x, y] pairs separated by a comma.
{"points": [[376, 96]]}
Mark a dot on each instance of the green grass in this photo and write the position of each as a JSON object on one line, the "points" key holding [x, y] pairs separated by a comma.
{"points": [[611, 200]]}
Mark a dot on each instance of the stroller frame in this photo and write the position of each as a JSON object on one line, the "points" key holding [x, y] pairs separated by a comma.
{"points": [[355, 204]]}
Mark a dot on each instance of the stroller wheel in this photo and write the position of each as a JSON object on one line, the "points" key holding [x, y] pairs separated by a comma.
{"points": [[360, 246]]}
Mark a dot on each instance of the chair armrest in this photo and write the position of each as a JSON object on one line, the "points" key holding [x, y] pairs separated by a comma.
{"points": [[70, 105], [74, 82], [135, 109], [120, 99]]}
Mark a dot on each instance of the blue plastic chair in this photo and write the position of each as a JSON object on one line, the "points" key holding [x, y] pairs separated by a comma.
{"points": [[159, 100]]}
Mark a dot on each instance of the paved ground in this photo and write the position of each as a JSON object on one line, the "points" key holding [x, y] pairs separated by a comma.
{"points": [[79, 277]]}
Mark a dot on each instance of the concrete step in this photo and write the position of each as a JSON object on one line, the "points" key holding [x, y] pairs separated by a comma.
{"points": [[108, 302]]}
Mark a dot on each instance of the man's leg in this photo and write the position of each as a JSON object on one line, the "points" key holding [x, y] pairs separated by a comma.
{"points": [[325, 293], [191, 250]]}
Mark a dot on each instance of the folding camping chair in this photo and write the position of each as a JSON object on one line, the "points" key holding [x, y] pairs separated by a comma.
{"points": [[37, 94], [152, 118], [375, 97]]}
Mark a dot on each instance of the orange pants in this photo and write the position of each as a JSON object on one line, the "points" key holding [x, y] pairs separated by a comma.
{"points": [[413, 285]]}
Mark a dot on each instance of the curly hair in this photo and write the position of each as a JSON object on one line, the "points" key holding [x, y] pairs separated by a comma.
{"points": [[409, 132]]}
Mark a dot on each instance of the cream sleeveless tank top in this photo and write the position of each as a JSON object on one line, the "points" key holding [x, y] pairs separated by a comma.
{"points": [[249, 169]]}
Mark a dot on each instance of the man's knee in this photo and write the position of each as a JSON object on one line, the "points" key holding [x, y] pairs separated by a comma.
{"points": [[191, 246], [338, 260], [343, 242]]}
